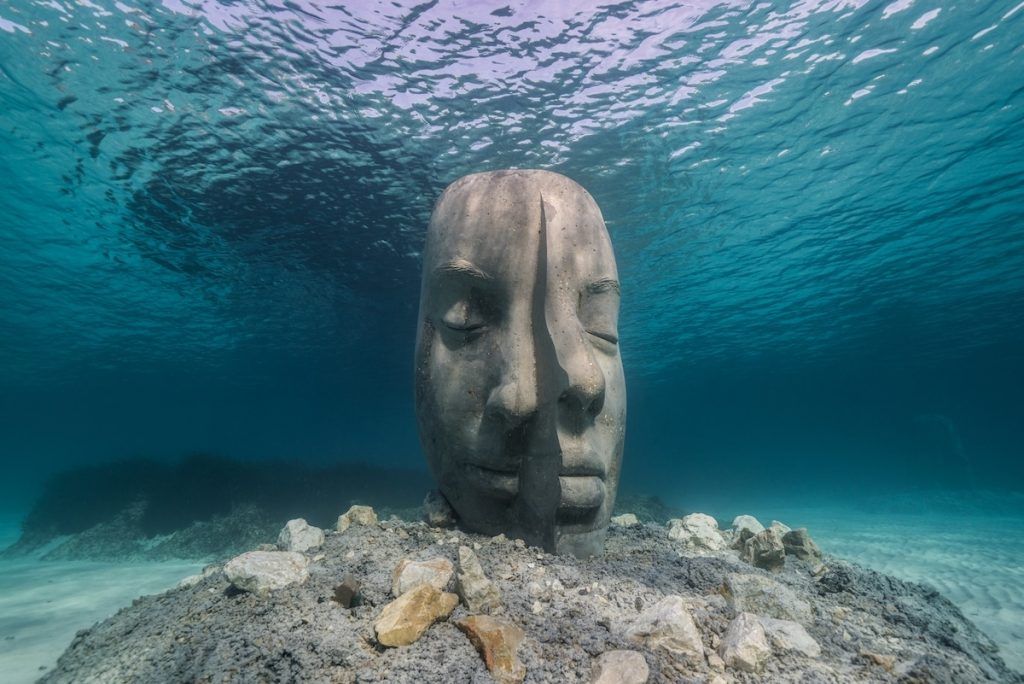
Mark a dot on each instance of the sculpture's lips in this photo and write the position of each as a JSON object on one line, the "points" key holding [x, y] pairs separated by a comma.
{"points": [[500, 484], [579, 459], [581, 492], [581, 475]]}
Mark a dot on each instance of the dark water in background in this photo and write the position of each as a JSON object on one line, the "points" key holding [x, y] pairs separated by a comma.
{"points": [[211, 215]]}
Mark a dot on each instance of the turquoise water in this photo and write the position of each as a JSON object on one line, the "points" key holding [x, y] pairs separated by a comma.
{"points": [[212, 217]]}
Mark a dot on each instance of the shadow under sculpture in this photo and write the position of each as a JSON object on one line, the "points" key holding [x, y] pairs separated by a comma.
{"points": [[520, 394]]}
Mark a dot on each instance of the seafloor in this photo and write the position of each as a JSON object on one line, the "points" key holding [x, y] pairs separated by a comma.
{"points": [[967, 546], [866, 626]]}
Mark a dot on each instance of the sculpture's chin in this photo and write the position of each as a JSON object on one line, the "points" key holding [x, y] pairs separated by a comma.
{"points": [[581, 544]]}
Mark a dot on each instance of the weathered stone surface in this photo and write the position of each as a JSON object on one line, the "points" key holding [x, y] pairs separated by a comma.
{"points": [[781, 527], [620, 667], [745, 645], [261, 572], [497, 641], [786, 635], [743, 528], [356, 515], [299, 535], [520, 227], [765, 596], [409, 573], [479, 593], [405, 619], [765, 550], [625, 520], [346, 594], [799, 543], [698, 532], [668, 625], [437, 511]]}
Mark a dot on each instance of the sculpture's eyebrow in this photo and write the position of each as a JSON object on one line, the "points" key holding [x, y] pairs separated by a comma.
{"points": [[604, 285], [461, 267]]}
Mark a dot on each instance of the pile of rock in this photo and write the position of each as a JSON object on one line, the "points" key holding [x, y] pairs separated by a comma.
{"points": [[757, 545], [381, 601], [422, 600]]}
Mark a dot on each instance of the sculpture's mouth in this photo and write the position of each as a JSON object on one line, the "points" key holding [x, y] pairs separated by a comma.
{"points": [[581, 480], [581, 494], [499, 484]]}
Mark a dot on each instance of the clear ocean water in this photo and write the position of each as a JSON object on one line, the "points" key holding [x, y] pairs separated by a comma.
{"points": [[212, 212]]}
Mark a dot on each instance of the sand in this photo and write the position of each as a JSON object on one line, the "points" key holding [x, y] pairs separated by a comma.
{"points": [[975, 558], [43, 604]]}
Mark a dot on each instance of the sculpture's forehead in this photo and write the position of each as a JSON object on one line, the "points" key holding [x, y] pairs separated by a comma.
{"points": [[494, 221]]}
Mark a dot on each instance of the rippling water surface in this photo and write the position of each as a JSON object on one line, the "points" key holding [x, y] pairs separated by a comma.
{"points": [[182, 180]]}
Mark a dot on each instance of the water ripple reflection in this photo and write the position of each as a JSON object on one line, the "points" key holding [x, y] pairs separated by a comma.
{"points": [[182, 179]]}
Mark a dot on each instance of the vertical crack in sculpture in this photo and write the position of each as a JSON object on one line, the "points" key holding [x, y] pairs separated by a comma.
{"points": [[540, 490], [520, 394]]}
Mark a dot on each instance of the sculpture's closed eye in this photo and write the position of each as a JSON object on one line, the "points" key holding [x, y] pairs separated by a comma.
{"points": [[609, 337], [463, 317], [598, 310]]}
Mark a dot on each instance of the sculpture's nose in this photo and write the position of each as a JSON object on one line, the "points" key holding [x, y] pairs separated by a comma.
{"points": [[583, 397], [514, 399]]}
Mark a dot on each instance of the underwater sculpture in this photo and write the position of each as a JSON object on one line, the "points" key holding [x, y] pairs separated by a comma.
{"points": [[520, 394]]}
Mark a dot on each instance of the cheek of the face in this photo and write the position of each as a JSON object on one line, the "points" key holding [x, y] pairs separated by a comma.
{"points": [[610, 423], [457, 387]]}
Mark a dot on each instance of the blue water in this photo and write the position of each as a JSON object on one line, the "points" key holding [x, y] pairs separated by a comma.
{"points": [[211, 216]]}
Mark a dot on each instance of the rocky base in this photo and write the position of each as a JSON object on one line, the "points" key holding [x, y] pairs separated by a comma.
{"points": [[692, 616]]}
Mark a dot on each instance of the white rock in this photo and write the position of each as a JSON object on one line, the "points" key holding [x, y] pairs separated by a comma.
{"points": [[408, 574], [264, 571], [698, 532], [782, 527], [786, 635], [620, 667], [479, 593], [624, 520], [357, 515], [298, 535], [765, 596], [669, 626], [743, 528], [799, 543], [745, 645], [765, 550]]}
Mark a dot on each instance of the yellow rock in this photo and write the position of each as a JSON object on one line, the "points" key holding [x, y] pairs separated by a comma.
{"points": [[405, 619], [356, 515], [497, 641]]}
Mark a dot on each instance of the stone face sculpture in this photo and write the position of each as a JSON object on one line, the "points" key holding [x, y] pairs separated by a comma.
{"points": [[520, 393]]}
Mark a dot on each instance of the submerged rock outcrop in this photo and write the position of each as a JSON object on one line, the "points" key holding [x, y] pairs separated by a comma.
{"points": [[650, 606]]}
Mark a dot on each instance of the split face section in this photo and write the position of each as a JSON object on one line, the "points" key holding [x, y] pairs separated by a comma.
{"points": [[520, 394]]}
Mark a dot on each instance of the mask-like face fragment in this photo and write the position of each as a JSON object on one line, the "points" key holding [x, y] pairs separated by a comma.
{"points": [[520, 394]]}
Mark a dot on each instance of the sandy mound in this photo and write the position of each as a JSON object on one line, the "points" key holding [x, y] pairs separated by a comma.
{"points": [[862, 626]]}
